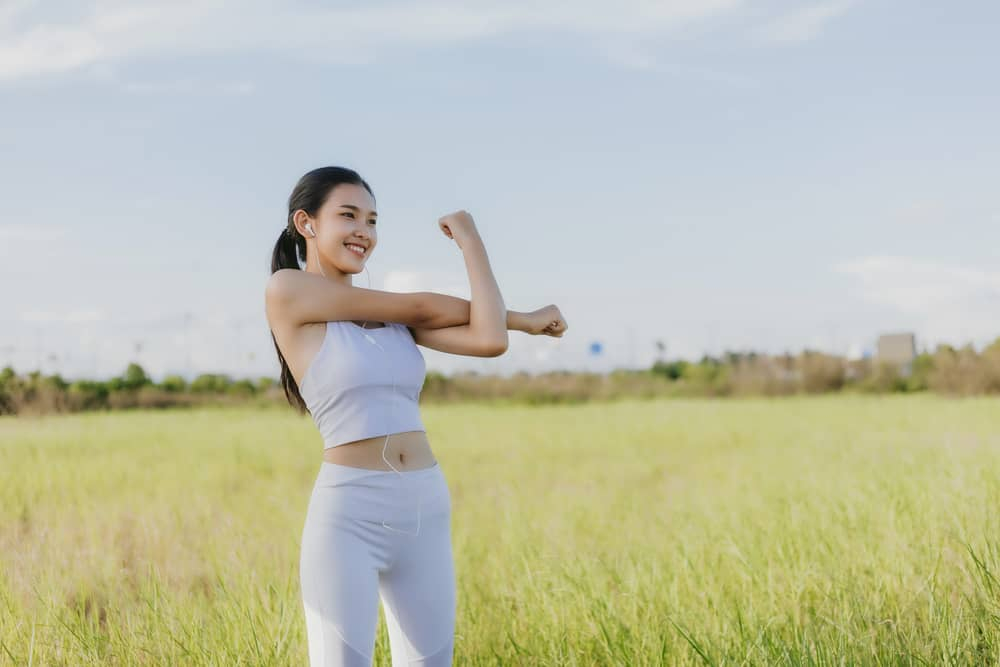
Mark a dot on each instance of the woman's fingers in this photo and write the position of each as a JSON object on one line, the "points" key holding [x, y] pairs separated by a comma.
{"points": [[555, 328]]}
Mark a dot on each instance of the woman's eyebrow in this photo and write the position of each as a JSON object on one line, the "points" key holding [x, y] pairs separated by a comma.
{"points": [[356, 208]]}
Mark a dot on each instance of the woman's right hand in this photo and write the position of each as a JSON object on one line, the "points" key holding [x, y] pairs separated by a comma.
{"points": [[458, 226]]}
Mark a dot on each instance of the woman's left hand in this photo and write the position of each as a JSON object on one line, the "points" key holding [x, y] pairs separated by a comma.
{"points": [[547, 320]]}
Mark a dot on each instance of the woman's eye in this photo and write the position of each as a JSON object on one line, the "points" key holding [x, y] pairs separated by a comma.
{"points": [[350, 213]]}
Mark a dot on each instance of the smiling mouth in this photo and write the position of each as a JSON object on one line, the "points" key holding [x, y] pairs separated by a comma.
{"points": [[356, 249]]}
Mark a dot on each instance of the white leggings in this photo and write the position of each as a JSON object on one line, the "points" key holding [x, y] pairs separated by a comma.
{"points": [[350, 559]]}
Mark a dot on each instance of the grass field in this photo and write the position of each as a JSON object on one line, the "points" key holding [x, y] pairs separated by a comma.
{"points": [[834, 530]]}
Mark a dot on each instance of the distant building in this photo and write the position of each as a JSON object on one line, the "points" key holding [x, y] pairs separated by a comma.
{"points": [[897, 349]]}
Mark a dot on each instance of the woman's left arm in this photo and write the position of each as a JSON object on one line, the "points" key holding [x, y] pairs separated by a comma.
{"points": [[457, 339], [487, 317], [452, 311]]}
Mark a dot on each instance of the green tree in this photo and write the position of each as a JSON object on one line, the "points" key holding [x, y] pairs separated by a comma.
{"points": [[174, 384], [134, 377]]}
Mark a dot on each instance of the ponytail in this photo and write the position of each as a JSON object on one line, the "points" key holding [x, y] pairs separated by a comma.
{"points": [[287, 247]]}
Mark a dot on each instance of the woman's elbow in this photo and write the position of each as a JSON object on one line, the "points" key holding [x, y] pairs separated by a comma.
{"points": [[496, 347]]}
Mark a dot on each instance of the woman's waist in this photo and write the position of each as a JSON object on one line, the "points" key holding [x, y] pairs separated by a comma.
{"points": [[408, 450]]}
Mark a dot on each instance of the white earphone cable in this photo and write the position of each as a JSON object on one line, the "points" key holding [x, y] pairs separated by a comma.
{"points": [[370, 339]]}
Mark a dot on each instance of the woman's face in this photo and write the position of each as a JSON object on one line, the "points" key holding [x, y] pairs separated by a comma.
{"points": [[347, 218]]}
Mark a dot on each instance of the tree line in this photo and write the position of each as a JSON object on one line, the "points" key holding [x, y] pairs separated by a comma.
{"points": [[946, 370]]}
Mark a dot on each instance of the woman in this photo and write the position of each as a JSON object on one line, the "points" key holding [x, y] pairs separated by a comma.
{"points": [[378, 523]]}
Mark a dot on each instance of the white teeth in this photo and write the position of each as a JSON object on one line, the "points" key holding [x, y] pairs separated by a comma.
{"points": [[355, 248]]}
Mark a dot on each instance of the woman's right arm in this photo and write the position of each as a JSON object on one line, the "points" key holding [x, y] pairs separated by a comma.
{"points": [[329, 301], [298, 297]]}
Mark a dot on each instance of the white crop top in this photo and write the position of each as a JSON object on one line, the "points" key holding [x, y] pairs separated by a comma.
{"points": [[348, 386]]}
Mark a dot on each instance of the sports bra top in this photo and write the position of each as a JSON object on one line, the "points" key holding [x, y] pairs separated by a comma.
{"points": [[348, 386]]}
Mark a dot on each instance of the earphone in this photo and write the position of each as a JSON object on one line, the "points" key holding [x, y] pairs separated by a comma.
{"points": [[370, 339]]}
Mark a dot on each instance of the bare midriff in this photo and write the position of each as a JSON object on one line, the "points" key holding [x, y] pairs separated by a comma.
{"points": [[409, 450]]}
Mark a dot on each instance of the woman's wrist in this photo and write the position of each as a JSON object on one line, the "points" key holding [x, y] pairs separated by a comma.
{"points": [[516, 321]]}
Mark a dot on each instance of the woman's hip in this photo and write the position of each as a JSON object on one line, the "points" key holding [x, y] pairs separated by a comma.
{"points": [[377, 495]]}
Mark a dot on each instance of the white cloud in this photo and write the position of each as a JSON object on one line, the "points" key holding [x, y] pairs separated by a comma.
{"points": [[115, 31], [944, 302], [805, 23], [11, 9]]}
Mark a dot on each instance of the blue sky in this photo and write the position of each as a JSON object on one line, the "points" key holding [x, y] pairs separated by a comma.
{"points": [[714, 174]]}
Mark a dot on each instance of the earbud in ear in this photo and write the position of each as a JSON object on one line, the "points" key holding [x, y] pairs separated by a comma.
{"points": [[311, 232]]}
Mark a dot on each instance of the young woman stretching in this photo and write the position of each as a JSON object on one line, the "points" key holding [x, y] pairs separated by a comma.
{"points": [[378, 523]]}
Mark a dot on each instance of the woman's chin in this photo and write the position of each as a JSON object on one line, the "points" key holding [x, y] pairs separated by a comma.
{"points": [[353, 265]]}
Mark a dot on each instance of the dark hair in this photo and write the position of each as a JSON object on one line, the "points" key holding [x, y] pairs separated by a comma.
{"points": [[309, 194]]}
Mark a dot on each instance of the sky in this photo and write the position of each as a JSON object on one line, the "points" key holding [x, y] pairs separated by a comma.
{"points": [[713, 174]]}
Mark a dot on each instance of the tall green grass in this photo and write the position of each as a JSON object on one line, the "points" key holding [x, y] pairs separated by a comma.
{"points": [[832, 530]]}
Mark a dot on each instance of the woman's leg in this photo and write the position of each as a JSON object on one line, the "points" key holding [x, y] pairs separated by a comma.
{"points": [[418, 588], [338, 568]]}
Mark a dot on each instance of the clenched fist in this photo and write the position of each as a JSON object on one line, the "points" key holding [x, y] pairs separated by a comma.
{"points": [[458, 226], [547, 320]]}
